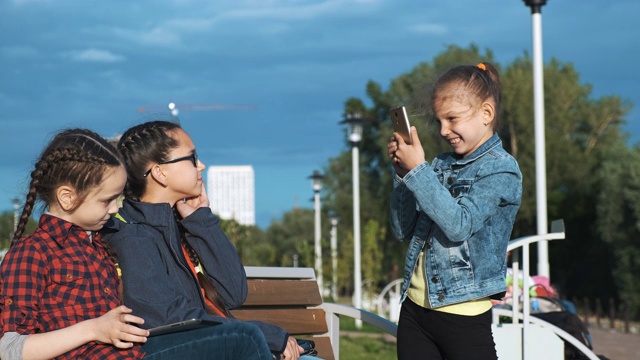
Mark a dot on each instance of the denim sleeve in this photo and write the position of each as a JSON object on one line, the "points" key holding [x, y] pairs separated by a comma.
{"points": [[497, 183], [217, 255], [404, 213]]}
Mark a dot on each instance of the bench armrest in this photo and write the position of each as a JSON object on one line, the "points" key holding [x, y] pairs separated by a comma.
{"points": [[333, 312]]}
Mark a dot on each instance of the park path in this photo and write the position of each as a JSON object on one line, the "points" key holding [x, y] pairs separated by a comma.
{"points": [[612, 344], [615, 345]]}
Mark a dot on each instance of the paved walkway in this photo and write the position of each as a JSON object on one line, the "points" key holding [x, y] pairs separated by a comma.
{"points": [[615, 345]]}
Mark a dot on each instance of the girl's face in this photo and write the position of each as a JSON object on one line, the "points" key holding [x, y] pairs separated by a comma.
{"points": [[99, 204], [464, 126], [184, 179]]}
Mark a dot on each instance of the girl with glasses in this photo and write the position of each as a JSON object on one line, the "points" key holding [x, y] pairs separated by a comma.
{"points": [[168, 229]]}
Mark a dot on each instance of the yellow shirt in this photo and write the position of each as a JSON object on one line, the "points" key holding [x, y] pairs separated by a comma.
{"points": [[418, 289]]}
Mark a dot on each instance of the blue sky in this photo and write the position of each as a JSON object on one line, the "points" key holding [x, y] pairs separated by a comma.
{"points": [[79, 63]]}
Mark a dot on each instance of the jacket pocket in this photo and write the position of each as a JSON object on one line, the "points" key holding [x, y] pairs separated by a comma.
{"points": [[460, 188]]}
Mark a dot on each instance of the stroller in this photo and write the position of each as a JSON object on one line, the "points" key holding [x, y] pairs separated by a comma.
{"points": [[546, 305]]}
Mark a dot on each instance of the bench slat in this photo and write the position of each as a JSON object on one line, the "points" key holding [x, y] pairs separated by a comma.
{"points": [[283, 292], [295, 321], [323, 345]]}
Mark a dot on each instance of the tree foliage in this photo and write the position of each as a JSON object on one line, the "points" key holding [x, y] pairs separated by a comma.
{"points": [[7, 228], [592, 178]]}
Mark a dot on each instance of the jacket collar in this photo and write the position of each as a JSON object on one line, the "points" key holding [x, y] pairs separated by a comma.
{"points": [[155, 215], [488, 145]]}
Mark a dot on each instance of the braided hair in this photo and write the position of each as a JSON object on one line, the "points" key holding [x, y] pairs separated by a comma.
{"points": [[75, 157], [142, 145]]}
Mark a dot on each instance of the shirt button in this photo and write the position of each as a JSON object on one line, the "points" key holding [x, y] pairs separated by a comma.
{"points": [[107, 291], [450, 181], [434, 280], [441, 298], [69, 276], [8, 302]]}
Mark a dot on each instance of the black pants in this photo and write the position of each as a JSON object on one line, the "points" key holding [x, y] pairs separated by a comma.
{"points": [[425, 334]]}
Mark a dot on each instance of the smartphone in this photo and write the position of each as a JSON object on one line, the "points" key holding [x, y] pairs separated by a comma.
{"points": [[308, 346], [185, 325], [400, 122]]}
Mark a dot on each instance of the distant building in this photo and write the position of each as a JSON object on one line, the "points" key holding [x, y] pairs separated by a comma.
{"points": [[231, 193]]}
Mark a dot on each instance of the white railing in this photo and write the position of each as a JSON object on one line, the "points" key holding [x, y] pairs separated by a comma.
{"points": [[557, 233]]}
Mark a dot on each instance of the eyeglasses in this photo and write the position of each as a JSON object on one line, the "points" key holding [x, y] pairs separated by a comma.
{"points": [[193, 158]]}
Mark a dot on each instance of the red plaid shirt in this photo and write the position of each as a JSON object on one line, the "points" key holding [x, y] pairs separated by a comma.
{"points": [[57, 277]]}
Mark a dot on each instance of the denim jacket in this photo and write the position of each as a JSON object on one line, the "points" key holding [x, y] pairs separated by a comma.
{"points": [[158, 283], [460, 212]]}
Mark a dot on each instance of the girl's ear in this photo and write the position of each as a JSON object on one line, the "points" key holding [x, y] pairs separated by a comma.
{"points": [[488, 112], [66, 197], [158, 175]]}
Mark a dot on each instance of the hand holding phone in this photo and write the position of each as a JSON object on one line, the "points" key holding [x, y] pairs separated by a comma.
{"points": [[400, 122]]}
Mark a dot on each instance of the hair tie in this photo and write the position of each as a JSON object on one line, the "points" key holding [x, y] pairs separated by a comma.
{"points": [[481, 66]]}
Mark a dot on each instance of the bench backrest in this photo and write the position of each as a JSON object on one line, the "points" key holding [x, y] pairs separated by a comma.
{"points": [[289, 298]]}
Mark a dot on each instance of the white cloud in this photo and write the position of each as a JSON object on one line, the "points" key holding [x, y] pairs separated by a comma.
{"points": [[95, 55], [155, 36], [433, 29]]}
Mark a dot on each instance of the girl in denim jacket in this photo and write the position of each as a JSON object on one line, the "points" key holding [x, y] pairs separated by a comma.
{"points": [[458, 213]]}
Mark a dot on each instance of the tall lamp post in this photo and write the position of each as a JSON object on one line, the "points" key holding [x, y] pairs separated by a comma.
{"points": [[16, 207], [354, 123], [538, 115], [334, 256], [316, 180]]}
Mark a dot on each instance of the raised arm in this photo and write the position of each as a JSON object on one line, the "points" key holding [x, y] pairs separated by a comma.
{"points": [[217, 255]]}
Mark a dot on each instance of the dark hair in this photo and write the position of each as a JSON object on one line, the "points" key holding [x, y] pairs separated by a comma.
{"points": [[482, 81], [75, 157], [142, 145]]}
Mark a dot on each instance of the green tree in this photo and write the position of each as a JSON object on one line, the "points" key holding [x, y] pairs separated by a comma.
{"points": [[619, 220], [7, 228], [372, 237], [293, 235], [249, 242]]}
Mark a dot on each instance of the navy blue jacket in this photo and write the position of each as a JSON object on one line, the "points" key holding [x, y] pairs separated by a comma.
{"points": [[158, 283]]}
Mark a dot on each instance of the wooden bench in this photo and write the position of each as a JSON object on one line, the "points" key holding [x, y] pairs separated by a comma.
{"points": [[290, 298]]}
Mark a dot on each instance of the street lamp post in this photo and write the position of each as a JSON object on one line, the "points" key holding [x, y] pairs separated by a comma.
{"points": [[538, 115], [334, 257], [354, 124], [316, 179]]}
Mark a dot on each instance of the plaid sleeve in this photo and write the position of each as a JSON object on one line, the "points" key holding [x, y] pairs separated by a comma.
{"points": [[22, 283]]}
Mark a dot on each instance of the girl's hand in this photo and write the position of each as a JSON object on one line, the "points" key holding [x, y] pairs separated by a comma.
{"points": [[405, 157], [187, 206], [114, 328], [293, 350]]}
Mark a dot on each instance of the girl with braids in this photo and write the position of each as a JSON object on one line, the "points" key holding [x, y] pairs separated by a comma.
{"points": [[458, 213], [59, 288], [168, 228]]}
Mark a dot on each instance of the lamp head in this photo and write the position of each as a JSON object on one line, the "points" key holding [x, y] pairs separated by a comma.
{"points": [[316, 179], [535, 5], [354, 123]]}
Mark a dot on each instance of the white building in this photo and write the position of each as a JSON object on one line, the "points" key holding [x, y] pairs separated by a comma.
{"points": [[231, 193]]}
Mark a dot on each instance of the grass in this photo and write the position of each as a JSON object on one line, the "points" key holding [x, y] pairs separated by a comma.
{"points": [[365, 343], [366, 348]]}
